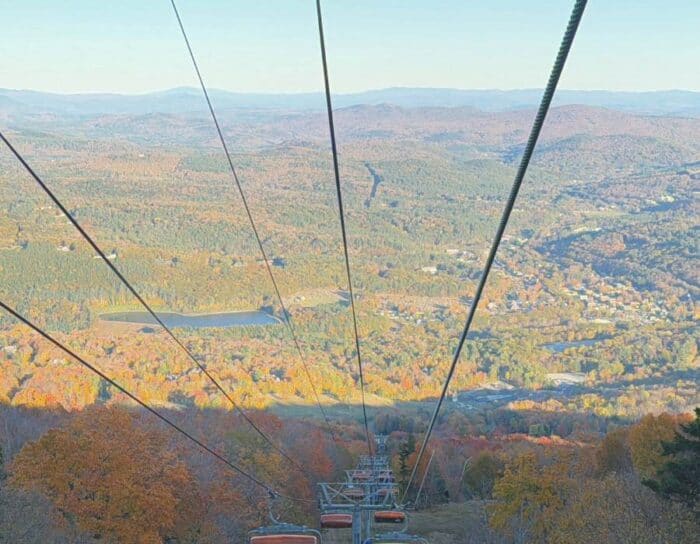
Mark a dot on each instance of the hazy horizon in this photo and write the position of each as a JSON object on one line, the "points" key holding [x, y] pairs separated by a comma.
{"points": [[80, 46], [190, 99], [355, 92]]}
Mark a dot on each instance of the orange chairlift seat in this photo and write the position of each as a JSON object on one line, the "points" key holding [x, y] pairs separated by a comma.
{"points": [[389, 516], [284, 539], [284, 533], [336, 520]]}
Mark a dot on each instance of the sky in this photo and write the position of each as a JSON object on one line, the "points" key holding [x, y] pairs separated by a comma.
{"points": [[134, 46]]}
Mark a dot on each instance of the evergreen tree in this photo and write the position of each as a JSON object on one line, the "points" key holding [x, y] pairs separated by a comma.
{"points": [[679, 477]]}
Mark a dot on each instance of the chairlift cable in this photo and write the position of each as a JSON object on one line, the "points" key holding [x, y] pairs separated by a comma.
{"points": [[341, 213], [137, 400], [244, 200], [143, 302], [557, 69]]}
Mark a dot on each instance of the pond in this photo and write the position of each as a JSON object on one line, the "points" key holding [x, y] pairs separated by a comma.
{"points": [[195, 321], [558, 347]]}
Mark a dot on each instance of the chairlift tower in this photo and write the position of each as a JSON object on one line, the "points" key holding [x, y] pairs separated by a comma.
{"points": [[368, 495], [381, 443]]}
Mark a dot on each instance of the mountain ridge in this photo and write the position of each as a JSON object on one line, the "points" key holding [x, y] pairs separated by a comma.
{"points": [[188, 99]]}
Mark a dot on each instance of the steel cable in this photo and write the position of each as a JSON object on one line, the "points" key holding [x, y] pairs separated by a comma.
{"points": [[341, 213], [557, 69], [244, 200]]}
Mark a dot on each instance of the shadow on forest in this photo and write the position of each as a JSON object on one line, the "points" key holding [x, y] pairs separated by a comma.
{"points": [[485, 398], [460, 434], [20, 424]]}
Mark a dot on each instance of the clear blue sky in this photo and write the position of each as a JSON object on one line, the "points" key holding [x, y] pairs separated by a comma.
{"points": [[271, 45]]}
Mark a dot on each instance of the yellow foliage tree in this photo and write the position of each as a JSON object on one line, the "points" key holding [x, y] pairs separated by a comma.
{"points": [[645, 439], [529, 496]]}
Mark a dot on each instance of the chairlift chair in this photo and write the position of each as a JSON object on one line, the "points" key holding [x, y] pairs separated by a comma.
{"points": [[396, 538], [284, 533], [384, 491], [336, 520], [390, 516]]}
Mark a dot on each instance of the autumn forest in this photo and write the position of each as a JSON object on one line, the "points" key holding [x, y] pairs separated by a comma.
{"points": [[571, 416]]}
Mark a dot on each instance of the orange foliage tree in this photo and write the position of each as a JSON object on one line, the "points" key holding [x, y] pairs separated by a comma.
{"points": [[111, 475], [613, 454]]}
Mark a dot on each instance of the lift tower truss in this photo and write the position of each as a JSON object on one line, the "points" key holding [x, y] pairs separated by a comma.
{"points": [[369, 488]]}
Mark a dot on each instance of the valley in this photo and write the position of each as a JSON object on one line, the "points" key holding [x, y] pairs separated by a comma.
{"points": [[591, 252], [581, 362]]}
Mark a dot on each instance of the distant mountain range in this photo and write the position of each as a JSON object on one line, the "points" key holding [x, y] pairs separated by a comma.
{"points": [[189, 100]]}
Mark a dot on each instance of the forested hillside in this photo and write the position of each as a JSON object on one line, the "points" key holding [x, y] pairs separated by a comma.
{"points": [[582, 364], [600, 249]]}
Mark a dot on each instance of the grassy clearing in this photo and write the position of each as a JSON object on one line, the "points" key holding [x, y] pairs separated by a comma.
{"points": [[454, 523]]}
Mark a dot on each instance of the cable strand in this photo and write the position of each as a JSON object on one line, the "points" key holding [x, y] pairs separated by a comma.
{"points": [[244, 200], [145, 304], [557, 69], [137, 400], [341, 213]]}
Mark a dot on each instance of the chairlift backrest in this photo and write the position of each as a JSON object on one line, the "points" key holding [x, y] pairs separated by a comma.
{"points": [[284, 539], [284, 533], [337, 520], [396, 538], [389, 516]]}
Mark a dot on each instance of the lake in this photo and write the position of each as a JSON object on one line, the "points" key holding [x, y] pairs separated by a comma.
{"points": [[558, 347], [196, 321]]}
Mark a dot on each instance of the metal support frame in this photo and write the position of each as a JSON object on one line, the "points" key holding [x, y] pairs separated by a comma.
{"points": [[369, 488]]}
